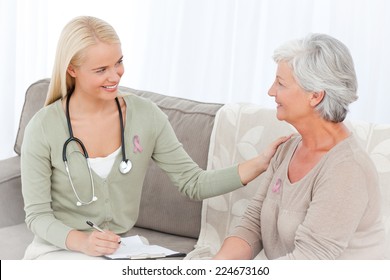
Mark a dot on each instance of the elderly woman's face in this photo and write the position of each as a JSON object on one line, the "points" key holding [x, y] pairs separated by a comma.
{"points": [[293, 102]]}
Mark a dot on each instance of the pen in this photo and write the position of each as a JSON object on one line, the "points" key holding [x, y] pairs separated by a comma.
{"points": [[94, 226], [98, 229]]}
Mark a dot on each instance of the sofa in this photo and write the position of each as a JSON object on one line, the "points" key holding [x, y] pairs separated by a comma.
{"points": [[215, 136]]}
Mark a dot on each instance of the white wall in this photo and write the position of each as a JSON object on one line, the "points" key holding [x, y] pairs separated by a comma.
{"points": [[208, 50]]}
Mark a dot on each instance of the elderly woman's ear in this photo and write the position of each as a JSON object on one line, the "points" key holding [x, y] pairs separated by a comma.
{"points": [[316, 98]]}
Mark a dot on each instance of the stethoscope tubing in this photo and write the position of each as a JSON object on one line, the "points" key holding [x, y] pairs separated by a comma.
{"points": [[125, 164]]}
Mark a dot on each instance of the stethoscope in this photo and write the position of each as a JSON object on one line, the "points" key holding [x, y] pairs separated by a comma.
{"points": [[124, 166]]}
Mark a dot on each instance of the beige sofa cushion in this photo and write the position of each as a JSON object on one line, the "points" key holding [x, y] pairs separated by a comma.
{"points": [[240, 132], [14, 240]]}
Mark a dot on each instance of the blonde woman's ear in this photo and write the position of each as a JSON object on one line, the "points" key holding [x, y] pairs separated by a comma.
{"points": [[71, 71]]}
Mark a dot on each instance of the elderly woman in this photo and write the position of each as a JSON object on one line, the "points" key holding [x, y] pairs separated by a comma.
{"points": [[320, 196]]}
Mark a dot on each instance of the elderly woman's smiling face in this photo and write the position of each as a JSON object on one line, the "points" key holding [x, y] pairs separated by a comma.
{"points": [[293, 102]]}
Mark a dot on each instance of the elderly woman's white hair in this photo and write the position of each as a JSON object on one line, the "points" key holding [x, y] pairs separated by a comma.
{"points": [[322, 63]]}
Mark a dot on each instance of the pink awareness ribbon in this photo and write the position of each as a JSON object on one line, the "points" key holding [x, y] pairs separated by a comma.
{"points": [[277, 185], [137, 145]]}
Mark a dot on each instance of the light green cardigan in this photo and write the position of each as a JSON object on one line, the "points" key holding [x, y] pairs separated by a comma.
{"points": [[50, 203]]}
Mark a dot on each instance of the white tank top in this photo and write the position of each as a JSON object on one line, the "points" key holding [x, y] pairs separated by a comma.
{"points": [[103, 165]]}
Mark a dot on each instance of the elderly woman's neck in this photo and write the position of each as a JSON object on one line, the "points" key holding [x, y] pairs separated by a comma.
{"points": [[323, 135]]}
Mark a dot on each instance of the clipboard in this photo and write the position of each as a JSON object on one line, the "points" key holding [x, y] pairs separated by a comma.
{"points": [[135, 249], [147, 257]]}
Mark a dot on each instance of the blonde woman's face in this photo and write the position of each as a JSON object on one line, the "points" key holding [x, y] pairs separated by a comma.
{"points": [[100, 72]]}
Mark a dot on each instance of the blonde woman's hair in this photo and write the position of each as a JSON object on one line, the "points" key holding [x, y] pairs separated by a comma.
{"points": [[77, 35]]}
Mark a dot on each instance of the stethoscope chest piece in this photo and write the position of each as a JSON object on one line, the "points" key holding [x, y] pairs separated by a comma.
{"points": [[125, 166]]}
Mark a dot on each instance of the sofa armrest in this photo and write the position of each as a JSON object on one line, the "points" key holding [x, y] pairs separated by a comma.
{"points": [[11, 199]]}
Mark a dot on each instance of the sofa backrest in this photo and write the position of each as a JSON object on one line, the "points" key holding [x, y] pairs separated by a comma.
{"points": [[162, 208], [34, 100], [243, 130]]}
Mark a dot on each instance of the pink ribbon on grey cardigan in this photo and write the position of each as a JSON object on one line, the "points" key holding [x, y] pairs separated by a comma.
{"points": [[137, 145]]}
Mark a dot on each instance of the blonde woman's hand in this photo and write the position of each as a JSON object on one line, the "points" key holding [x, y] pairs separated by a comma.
{"points": [[270, 151], [252, 168], [93, 243]]}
